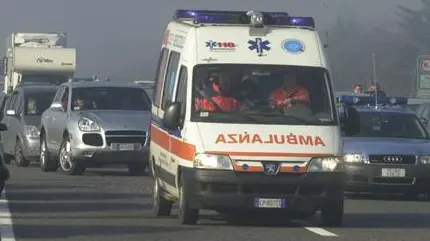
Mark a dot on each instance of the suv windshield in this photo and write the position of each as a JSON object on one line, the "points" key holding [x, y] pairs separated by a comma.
{"points": [[390, 125], [264, 94], [110, 98], [36, 103]]}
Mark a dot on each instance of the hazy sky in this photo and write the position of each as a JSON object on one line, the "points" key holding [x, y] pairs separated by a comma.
{"points": [[121, 38]]}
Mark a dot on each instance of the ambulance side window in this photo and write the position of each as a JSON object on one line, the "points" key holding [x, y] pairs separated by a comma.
{"points": [[161, 69], [181, 93], [169, 85]]}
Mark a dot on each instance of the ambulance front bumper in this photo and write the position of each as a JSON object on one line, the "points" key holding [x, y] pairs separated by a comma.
{"points": [[225, 190]]}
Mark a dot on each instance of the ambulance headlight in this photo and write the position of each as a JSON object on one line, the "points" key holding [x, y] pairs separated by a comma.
{"points": [[326, 164], [424, 160], [211, 161]]}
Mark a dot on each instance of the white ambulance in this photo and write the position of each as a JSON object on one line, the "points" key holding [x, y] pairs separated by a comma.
{"points": [[244, 118]]}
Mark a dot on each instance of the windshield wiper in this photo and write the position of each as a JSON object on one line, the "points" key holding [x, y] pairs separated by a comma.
{"points": [[280, 114]]}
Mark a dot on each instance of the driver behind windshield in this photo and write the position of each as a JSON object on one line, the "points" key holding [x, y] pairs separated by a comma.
{"points": [[82, 104], [289, 93], [220, 100]]}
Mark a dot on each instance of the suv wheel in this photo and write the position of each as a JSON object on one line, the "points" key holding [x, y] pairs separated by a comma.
{"points": [[67, 163], [332, 212], [20, 159], [160, 206], [46, 163], [187, 215]]}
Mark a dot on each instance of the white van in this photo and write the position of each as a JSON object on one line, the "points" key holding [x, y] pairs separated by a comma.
{"points": [[222, 136]]}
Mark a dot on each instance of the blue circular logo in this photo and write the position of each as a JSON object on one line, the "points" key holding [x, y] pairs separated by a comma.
{"points": [[296, 168], [245, 166], [293, 46]]}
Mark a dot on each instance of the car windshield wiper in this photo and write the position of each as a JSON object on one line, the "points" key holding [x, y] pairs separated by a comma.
{"points": [[279, 114]]}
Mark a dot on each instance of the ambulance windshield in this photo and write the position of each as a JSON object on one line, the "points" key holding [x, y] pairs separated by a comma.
{"points": [[263, 94]]}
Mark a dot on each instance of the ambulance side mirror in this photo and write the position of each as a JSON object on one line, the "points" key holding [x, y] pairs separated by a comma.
{"points": [[352, 121], [172, 115]]}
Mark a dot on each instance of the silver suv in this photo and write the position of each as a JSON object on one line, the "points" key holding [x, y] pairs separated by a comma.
{"points": [[96, 124]]}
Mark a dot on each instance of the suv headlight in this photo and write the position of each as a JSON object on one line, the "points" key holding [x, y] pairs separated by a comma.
{"points": [[326, 164], [354, 158], [424, 159], [86, 124], [31, 131], [210, 161]]}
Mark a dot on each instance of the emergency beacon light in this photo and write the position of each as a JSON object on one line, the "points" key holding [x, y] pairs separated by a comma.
{"points": [[371, 100], [243, 17]]}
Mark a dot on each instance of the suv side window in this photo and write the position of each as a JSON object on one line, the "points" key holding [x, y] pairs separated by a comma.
{"points": [[161, 69], [169, 85], [181, 93]]}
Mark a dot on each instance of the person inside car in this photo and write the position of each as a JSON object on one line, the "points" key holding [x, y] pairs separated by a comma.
{"points": [[221, 100], [289, 93]]}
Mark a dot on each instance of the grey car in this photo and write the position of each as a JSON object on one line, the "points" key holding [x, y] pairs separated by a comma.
{"points": [[96, 124], [22, 118], [391, 153]]}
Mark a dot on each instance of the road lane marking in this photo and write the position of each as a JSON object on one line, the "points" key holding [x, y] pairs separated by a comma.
{"points": [[315, 230], [6, 224]]}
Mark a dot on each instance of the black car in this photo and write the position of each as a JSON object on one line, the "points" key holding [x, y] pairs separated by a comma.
{"points": [[4, 171]]}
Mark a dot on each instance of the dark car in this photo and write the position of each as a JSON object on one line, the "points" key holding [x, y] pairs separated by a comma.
{"points": [[4, 171]]}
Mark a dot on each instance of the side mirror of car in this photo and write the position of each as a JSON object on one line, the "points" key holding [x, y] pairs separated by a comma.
{"points": [[3, 127], [352, 121], [11, 113], [57, 106], [172, 115]]}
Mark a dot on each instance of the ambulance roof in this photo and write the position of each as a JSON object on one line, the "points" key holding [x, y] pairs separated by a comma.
{"points": [[222, 37]]}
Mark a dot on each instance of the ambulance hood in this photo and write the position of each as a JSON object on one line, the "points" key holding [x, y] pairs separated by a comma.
{"points": [[257, 142]]}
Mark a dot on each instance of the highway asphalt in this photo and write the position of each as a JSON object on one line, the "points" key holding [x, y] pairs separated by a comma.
{"points": [[108, 204]]}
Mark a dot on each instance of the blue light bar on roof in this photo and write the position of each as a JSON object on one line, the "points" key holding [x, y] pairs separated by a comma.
{"points": [[192, 13], [241, 17], [278, 21], [371, 100]]}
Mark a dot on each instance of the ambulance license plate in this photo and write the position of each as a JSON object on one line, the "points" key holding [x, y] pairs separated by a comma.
{"points": [[269, 203]]}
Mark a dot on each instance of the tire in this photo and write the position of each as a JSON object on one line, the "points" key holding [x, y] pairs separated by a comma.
{"points": [[332, 212], [20, 159], [67, 163], [160, 206], [47, 164], [138, 168], [187, 215]]}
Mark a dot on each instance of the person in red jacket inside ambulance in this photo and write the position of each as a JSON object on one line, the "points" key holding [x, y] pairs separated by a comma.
{"points": [[221, 100], [289, 93]]}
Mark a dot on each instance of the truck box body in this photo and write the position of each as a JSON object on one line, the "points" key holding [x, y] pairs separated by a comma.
{"points": [[27, 59]]}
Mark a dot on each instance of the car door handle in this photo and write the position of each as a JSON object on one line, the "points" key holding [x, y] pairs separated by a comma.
{"points": [[53, 118]]}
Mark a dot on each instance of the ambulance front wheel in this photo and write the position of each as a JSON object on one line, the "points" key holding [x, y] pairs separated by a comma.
{"points": [[160, 206], [187, 215]]}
